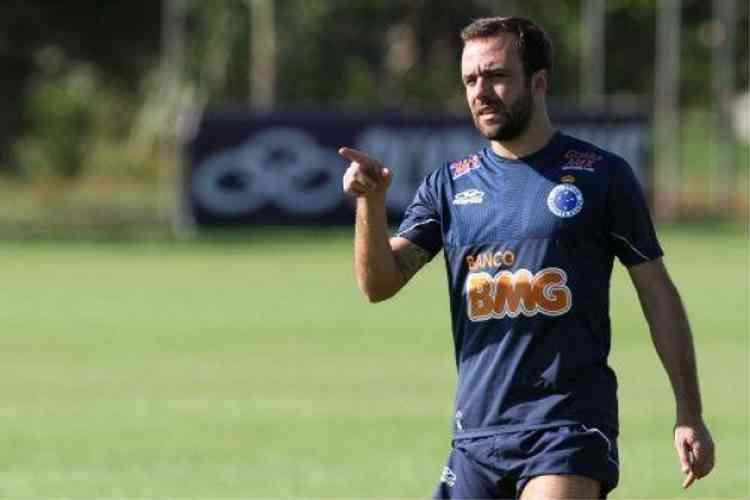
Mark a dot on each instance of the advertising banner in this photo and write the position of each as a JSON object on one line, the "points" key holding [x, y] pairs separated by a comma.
{"points": [[244, 168]]}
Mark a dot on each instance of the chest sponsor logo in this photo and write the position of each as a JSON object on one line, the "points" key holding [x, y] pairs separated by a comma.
{"points": [[565, 200], [490, 259], [468, 197], [510, 294], [463, 167]]}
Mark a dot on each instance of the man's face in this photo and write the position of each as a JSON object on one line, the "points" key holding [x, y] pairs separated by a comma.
{"points": [[497, 90]]}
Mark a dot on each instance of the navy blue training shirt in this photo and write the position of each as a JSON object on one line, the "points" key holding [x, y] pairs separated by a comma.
{"points": [[529, 245]]}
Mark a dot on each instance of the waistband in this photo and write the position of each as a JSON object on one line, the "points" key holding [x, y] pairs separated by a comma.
{"points": [[509, 429]]}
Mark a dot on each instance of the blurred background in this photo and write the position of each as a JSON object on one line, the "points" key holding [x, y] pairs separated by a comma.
{"points": [[98, 97], [180, 317]]}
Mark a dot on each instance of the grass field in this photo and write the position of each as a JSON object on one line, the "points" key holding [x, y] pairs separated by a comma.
{"points": [[252, 367]]}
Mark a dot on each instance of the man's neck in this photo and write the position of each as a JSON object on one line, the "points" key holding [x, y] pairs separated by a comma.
{"points": [[534, 138]]}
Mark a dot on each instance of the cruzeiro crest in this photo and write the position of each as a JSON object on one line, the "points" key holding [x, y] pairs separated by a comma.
{"points": [[565, 200]]}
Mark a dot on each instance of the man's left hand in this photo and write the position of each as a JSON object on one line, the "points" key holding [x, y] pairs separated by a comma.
{"points": [[695, 448]]}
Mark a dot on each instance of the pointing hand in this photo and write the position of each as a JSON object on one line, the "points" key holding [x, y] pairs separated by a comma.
{"points": [[365, 175]]}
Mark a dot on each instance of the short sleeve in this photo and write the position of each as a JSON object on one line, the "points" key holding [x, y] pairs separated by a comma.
{"points": [[421, 222], [630, 230]]}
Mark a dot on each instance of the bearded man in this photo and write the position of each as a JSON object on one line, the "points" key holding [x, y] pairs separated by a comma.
{"points": [[529, 229]]}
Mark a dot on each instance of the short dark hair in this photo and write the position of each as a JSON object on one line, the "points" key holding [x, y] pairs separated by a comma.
{"points": [[534, 46]]}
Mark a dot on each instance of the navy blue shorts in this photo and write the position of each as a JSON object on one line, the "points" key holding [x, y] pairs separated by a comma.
{"points": [[499, 466]]}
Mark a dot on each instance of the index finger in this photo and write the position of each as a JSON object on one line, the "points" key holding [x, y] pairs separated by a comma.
{"points": [[358, 156]]}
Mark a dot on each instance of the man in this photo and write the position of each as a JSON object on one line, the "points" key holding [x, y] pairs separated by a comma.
{"points": [[529, 228]]}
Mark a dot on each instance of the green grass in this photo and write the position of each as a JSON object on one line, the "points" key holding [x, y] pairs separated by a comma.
{"points": [[252, 367]]}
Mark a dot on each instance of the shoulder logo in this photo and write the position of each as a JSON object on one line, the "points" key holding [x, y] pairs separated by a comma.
{"points": [[565, 200], [470, 196], [581, 160], [463, 167]]}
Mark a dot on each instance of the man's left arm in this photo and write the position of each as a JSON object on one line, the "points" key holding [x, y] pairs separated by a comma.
{"points": [[671, 335]]}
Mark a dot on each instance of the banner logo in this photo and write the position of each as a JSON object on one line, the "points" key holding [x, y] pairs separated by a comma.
{"points": [[246, 168], [283, 166]]}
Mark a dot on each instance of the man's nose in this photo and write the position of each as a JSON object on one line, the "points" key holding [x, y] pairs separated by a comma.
{"points": [[481, 89]]}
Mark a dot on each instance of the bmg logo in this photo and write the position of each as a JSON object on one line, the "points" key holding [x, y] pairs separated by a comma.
{"points": [[514, 293]]}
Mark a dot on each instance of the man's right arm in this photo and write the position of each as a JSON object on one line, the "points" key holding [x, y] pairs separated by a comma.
{"points": [[382, 265]]}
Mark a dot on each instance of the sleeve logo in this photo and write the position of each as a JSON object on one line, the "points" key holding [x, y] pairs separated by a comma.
{"points": [[463, 167], [510, 294]]}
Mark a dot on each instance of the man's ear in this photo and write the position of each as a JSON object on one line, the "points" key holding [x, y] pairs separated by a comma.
{"points": [[540, 82]]}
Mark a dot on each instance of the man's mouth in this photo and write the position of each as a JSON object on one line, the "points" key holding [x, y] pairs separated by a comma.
{"points": [[489, 113]]}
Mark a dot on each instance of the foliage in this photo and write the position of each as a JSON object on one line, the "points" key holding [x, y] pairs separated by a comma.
{"points": [[109, 105], [60, 112], [78, 124]]}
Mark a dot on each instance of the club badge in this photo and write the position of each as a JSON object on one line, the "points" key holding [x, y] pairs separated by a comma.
{"points": [[565, 200]]}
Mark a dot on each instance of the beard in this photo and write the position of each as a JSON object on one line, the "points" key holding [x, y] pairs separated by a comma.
{"points": [[513, 120]]}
